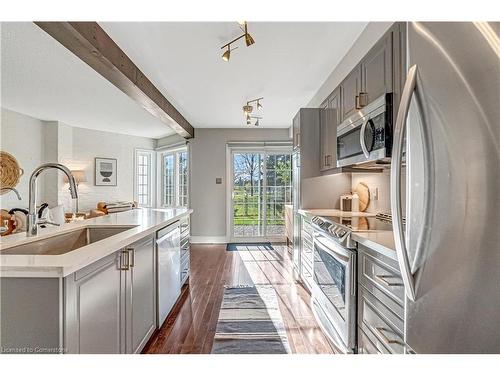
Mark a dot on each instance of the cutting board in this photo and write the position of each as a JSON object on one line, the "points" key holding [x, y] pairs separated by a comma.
{"points": [[364, 196]]}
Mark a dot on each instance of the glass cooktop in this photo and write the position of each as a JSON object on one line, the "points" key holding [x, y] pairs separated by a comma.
{"points": [[360, 223]]}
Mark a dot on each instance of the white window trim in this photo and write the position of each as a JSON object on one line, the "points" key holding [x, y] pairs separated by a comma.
{"points": [[152, 176], [160, 181]]}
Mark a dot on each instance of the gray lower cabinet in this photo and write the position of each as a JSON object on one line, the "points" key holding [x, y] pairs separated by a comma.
{"points": [[307, 253], [185, 250], [140, 299], [380, 304], [110, 305]]}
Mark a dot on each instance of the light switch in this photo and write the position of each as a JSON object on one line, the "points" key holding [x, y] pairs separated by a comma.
{"points": [[218, 180]]}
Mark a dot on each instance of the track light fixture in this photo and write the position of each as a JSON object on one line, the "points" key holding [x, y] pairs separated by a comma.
{"points": [[248, 41], [248, 109]]}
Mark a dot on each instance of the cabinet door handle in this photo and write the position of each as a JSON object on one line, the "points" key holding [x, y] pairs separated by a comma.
{"points": [[131, 258], [298, 139], [124, 261], [386, 339], [382, 279]]}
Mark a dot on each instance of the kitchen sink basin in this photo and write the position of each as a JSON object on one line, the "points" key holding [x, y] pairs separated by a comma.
{"points": [[64, 243]]}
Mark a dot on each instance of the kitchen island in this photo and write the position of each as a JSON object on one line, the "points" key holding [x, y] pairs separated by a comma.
{"points": [[86, 287]]}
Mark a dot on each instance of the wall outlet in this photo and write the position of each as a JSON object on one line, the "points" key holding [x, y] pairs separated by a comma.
{"points": [[218, 180]]}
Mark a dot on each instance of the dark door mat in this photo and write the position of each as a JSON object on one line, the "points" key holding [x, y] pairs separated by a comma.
{"points": [[247, 246]]}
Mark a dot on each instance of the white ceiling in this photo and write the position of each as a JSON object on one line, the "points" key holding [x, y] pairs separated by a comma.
{"points": [[287, 65], [42, 79]]}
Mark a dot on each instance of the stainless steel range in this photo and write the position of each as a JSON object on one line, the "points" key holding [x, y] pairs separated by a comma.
{"points": [[334, 287]]}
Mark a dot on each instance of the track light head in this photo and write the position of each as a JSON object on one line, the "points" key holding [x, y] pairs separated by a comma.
{"points": [[227, 55], [259, 106], [257, 122], [249, 40], [247, 109]]}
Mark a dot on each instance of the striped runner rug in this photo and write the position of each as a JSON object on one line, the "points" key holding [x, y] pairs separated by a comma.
{"points": [[250, 322]]}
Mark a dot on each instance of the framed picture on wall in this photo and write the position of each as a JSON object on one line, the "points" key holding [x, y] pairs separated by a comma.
{"points": [[105, 172]]}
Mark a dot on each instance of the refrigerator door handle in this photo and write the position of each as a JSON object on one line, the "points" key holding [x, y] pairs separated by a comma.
{"points": [[396, 209]]}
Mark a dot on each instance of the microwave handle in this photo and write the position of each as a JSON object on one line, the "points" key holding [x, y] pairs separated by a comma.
{"points": [[362, 138]]}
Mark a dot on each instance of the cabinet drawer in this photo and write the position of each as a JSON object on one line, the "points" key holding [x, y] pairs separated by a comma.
{"points": [[307, 234], [366, 346], [184, 243], [383, 276], [379, 322]]}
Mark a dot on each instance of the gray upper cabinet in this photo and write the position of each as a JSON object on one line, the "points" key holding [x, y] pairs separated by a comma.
{"points": [[329, 120], [376, 71], [95, 308], [296, 132], [306, 139], [140, 294], [351, 88]]}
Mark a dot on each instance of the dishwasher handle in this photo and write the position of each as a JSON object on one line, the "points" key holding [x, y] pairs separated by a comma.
{"points": [[169, 234]]}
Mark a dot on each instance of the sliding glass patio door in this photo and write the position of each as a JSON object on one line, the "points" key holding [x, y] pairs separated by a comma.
{"points": [[260, 189]]}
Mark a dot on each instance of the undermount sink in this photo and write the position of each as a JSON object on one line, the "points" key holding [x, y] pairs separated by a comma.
{"points": [[64, 243]]}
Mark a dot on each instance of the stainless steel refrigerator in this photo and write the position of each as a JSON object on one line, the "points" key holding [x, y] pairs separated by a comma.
{"points": [[449, 250]]}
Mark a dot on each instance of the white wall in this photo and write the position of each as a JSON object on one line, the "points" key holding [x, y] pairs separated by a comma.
{"points": [[33, 142], [208, 161], [88, 144], [22, 136]]}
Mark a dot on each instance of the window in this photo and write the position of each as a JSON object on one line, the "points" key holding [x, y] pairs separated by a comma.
{"points": [[143, 191], [175, 177]]}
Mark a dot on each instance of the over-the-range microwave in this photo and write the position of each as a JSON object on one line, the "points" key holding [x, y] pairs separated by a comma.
{"points": [[365, 138]]}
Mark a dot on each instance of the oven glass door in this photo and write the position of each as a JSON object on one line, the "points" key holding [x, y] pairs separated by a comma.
{"points": [[331, 275]]}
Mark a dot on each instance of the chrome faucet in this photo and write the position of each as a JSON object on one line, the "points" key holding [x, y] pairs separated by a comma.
{"points": [[14, 190], [32, 220]]}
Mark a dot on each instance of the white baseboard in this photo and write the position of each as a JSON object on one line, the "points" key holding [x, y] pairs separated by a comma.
{"points": [[208, 239]]}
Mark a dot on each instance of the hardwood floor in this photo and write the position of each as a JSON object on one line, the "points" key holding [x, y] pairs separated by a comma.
{"points": [[190, 327]]}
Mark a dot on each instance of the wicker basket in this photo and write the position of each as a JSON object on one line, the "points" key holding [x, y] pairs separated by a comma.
{"points": [[10, 172]]}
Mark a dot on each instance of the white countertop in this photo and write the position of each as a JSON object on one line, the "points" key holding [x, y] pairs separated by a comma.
{"points": [[146, 221], [381, 241]]}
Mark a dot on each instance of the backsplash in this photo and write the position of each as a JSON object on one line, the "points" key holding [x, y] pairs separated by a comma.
{"points": [[379, 186], [325, 191]]}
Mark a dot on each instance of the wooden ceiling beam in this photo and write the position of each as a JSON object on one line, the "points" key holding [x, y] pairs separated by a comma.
{"points": [[90, 43]]}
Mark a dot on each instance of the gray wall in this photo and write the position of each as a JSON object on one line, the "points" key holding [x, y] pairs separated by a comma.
{"points": [[208, 161]]}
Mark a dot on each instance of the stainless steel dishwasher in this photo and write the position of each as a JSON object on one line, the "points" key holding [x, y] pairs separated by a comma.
{"points": [[169, 259]]}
